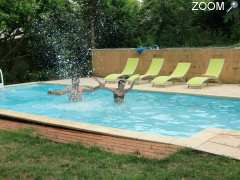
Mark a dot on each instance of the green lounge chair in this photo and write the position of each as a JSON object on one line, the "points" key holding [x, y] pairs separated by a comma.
{"points": [[178, 74], [128, 70], [213, 72], [153, 70]]}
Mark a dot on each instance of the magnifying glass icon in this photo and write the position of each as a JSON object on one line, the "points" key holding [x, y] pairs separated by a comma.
{"points": [[234, 4]]}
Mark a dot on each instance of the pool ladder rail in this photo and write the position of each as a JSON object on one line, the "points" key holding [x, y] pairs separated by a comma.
{"points": [[2, 82]]}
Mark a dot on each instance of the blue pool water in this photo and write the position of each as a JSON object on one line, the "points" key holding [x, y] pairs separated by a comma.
{"points": [[156, 113]]}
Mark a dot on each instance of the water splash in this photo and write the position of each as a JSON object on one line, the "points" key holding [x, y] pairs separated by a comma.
{"points": [[64, 39], [75, 92]]}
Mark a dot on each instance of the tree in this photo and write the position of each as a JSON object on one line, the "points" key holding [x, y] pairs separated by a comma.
{"points": [[89, 10], [117, 25], [172, 23], [16, 17]]}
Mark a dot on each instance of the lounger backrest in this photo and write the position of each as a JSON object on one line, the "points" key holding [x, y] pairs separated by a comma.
{"points": [[155, 66], [215, 67], [131, 66], [181, 69]]}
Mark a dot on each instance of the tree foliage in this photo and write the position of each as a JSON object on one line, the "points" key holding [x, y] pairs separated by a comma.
{"points": [[17, 17], [38, 36], [172, 23], [117, 24]]}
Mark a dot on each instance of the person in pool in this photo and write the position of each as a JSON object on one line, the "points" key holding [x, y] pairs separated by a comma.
{"points": [[74, 92], [119, 92]]}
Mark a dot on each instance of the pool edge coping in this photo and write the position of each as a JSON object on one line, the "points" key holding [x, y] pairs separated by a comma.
{"points": [[86, 127], [193, 142]]}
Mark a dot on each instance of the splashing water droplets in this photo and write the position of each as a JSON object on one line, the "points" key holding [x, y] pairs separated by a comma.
{"points": [[65, 38]]}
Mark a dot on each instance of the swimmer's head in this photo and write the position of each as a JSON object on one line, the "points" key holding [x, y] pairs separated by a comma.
{"points": [[121, 83], [75, 80]]}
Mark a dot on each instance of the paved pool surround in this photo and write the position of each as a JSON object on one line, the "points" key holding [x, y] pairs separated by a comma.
{"points": [[215, 141]]}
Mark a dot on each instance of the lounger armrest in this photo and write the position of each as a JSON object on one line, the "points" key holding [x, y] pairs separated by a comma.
{"points": [[205, 75], [147, 77]]}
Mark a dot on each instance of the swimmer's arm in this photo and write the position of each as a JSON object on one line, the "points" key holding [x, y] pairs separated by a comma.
{"points": [[102, 85], [88, 88], [131, 86], [56, 92]]}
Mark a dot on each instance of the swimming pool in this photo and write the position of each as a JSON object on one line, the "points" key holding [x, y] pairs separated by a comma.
{"points": [[155, 113]]}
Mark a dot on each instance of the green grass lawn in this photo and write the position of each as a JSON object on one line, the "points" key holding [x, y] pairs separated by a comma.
{"points": [[24, 155]]}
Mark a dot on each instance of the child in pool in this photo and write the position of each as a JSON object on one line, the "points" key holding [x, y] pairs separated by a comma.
{"points": [[119, 92]]}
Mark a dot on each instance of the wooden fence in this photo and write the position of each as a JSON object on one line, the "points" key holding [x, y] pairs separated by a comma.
{"points": [[107, 61]]}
